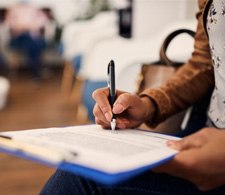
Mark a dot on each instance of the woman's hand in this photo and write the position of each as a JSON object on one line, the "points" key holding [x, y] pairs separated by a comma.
{"points": [[131, 110], [201, 159]]}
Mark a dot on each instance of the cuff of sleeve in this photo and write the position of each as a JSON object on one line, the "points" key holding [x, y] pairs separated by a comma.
{"points": [[162, 105]]}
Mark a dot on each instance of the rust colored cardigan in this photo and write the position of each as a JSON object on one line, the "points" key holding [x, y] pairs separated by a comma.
{"points": [[191, 82]]}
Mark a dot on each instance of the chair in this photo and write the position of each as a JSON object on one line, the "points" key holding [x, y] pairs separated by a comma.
{"points": [[79, 38]]}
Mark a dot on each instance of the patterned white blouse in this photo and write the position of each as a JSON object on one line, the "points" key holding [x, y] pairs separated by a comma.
{"points": [[216, 33]]}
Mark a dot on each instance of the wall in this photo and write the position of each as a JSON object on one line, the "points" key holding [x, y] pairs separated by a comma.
{"points": [[150, 16]]}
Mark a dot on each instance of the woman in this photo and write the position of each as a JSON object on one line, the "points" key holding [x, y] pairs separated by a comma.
{"points": [[199, 166]]}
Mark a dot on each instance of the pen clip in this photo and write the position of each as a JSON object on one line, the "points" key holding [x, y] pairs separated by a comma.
{"points": [[111, 78], [108, 76]]}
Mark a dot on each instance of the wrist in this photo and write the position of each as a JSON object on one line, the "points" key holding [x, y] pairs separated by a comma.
{"points": [[150, 108]]}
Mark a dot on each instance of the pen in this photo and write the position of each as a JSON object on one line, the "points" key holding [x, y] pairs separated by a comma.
{"points": [[112, 91]]}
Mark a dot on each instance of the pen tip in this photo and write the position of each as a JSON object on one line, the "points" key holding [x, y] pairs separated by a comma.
{"points": [[113, 124]]}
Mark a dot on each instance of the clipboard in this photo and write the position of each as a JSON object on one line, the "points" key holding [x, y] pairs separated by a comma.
{"points": [[27, 145]]}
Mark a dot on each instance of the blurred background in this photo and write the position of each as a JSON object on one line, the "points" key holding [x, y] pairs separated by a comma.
{"points": [[54, 54]]}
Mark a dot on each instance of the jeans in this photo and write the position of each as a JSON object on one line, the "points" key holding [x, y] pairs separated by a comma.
{"points": [[65, 183], [32, 47]]}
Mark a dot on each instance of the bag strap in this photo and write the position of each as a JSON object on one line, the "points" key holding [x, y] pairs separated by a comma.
{"points": [[163, 57]]}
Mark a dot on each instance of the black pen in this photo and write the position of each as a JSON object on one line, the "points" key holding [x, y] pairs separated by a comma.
{"points": [[112, 90]]}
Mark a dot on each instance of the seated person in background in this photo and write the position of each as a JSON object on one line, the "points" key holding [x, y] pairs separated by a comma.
{"points": [[26, 24], [199, 166]]}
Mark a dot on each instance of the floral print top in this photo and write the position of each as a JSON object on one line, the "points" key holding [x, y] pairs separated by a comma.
{"points": [[216, 32]]}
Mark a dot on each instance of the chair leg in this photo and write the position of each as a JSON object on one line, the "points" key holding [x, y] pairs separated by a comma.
{"points": [[82, 115], [67, 79], [71, 88], [75, 97], [14, 61]]}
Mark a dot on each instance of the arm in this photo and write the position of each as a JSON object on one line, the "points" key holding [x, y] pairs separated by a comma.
{"points": [[191, 82]]}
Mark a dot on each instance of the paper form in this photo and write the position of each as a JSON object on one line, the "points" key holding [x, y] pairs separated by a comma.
{"points": [[96, 148]]}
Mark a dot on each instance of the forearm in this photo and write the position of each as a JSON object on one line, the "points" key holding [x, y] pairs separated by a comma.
{"points": [[190, 83]]}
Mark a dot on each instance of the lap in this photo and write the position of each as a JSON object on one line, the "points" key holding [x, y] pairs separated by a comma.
{"points": [[63, 182]]}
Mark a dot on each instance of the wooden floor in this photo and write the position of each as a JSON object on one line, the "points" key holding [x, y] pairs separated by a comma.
{"points": [[32, 105]]}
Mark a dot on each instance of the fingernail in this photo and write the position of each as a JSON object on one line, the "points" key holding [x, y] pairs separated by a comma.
{"points": [[170, 143], [108, 116]]}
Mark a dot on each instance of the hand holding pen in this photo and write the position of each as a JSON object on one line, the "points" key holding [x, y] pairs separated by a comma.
{"points": [[129, 110]]}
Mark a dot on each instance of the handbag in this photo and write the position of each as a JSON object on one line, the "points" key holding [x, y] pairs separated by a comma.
{"points": [[156, 73]]}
